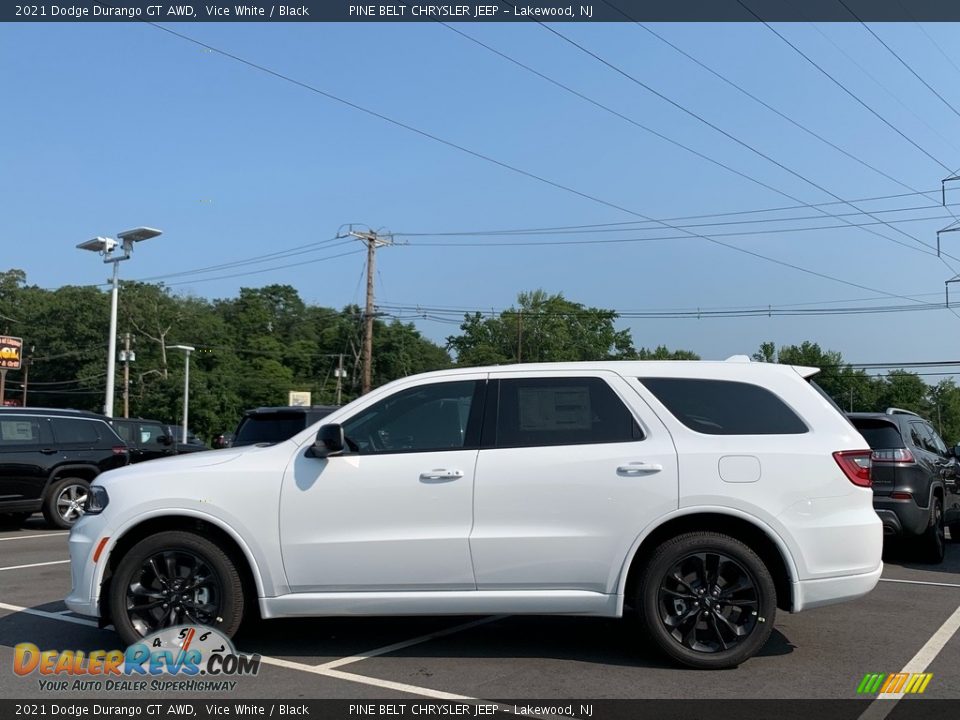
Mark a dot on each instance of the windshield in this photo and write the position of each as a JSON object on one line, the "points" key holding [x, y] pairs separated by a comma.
{"points": [[269, 428]]}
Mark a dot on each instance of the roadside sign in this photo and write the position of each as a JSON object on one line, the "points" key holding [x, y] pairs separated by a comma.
{"points": [[11, 352]]}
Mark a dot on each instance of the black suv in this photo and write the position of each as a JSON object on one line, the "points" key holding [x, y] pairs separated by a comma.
{"points": [[914, 479], [151, 439], [48, 459], [275, 424]]}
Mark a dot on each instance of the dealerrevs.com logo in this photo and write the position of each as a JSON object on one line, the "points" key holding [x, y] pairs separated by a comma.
{"points": [[187, 658], [893, 683]]}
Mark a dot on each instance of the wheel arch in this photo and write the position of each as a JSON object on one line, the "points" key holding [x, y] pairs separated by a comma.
{"points": [[757, 536], [200, 524], [81, 471]]}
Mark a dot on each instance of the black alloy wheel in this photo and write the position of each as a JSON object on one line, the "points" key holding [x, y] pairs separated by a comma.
{"points": [[175, 578], [707, 600]]}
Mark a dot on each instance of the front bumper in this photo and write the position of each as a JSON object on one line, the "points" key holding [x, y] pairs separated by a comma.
{"points": [[83, 598]]}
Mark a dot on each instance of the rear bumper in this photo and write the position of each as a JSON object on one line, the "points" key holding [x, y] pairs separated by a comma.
{"points": [[901, 517], [810, 594]]}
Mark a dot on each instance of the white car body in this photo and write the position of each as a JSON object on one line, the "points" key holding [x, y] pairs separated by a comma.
{"points": [[508, 530]]}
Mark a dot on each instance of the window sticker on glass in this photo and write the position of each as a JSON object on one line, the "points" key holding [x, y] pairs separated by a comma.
{"points": [[554, 408], [13, 430]]}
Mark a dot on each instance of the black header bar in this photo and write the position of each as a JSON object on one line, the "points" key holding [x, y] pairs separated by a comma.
{"points": [[486, 11]]}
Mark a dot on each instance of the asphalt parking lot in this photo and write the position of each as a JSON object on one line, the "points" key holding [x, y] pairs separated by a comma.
{"points": [[908, 622]]}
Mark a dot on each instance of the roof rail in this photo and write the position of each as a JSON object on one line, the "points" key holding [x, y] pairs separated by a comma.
{"points": [[899, 411]]}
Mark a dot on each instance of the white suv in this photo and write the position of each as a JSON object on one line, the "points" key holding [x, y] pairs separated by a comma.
{"points": [[701, 495]]}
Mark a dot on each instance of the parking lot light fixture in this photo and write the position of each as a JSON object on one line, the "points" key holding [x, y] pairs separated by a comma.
{"points": [[187, 349], [107, 247]]}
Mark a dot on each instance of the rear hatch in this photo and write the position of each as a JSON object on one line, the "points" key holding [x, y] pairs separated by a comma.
{"points": [[890, 453]]}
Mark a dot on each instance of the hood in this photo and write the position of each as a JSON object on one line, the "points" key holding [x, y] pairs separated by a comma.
{"points": [[178, 463]]}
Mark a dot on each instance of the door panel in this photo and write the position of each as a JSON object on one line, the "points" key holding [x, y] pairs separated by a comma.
{"points": [[564, 516], [395, 513]]}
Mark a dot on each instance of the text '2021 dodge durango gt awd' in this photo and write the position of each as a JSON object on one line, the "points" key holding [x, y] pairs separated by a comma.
{"points": [[700, 495]]}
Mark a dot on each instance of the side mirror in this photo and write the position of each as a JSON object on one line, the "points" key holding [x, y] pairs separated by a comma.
{"points": [[330, 441], [165, 440]]}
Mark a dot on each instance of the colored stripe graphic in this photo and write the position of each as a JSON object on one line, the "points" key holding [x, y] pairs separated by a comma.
{"points": [[881, 683]]}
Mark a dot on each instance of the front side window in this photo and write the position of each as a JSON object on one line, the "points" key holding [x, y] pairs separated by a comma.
{"points": [[724, 407], [562, 411], [149, 434], [441, 416]]}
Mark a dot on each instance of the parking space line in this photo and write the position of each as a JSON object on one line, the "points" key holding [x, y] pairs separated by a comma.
{"points": [[882, 706], [33, 565], [31, 537], [407, 643], [920, 582], [49, 615]]}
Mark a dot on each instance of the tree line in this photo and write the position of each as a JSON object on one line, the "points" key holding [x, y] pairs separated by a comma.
{"points": [[252, 349]]}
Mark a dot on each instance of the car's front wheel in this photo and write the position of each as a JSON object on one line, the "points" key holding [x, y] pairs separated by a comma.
{"points": [[66, 502], [175, 578], [707, 600]]}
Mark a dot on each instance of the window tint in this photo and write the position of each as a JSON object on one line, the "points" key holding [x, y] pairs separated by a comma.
{"points": [[427, 417], [149, 433], [75, 431], [923, 437], [125, 432], [722, 407], [938, 443], [562, 411], [879, 434], [19, 431], [268, 428]]}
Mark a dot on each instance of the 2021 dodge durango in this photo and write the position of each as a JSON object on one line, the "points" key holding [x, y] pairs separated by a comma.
{"points": [[702, 496]]}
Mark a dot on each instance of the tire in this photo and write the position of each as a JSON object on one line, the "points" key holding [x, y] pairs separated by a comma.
{"points": [[683, 617], [62, 506], [954, 531], [931, 545], [217, 601]]}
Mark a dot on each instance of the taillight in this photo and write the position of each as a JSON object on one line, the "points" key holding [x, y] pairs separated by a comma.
{"points": [[119, 449], [898, 455], [855, 465]]}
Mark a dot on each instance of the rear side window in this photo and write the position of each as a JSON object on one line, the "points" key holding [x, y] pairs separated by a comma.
{"points": [[75, 431], [562, 411], [880, 435], [722, 407]]}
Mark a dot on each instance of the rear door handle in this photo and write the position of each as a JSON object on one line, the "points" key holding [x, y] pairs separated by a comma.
{"points": [[48, 451], [440, 474], [639, 468]]}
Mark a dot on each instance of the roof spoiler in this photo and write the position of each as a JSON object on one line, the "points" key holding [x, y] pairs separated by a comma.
{"points": [[805, 372]]}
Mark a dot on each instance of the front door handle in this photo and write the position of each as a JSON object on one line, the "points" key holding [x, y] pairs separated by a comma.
{"points": [[440, 474], [639, 468]]}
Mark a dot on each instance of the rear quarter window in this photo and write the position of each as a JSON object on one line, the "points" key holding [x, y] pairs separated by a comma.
{"points": [[725, 407]]}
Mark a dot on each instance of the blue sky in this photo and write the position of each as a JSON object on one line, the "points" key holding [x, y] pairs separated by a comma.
{"points": [[110, 126]]}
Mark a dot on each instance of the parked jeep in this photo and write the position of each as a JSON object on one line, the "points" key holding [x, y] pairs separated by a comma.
{"points": [[48, 458], [914, 480]]}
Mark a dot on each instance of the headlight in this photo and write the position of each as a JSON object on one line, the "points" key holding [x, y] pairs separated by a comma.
{"points": [[97, 500]]}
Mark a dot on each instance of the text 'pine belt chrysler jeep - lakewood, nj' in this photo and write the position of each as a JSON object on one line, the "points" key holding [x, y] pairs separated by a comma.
{"points": [[702, 496]]}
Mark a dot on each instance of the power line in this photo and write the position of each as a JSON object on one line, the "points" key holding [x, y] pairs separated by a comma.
{"points": [[900, 59], [723, 132], [263, 270], [842, 86], [499, 163]]}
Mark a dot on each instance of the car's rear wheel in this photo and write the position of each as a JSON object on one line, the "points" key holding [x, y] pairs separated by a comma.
{"points": [[932, 544], [707, 600], [65, 502], [175, 578]]}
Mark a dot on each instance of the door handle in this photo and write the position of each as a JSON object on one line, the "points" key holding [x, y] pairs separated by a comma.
{"points": [[639, 468], [48, 451], [441, 474]]}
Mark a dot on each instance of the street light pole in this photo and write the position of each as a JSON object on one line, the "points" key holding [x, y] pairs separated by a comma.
{"points": [[106, 247], [187, 349]]}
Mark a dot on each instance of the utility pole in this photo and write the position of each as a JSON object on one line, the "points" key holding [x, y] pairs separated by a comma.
{"points": [[126, 356], [373, 240], [519, 334], [340, 373], [27, 361]]}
